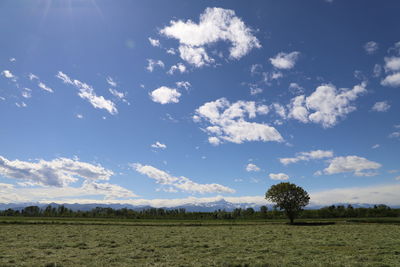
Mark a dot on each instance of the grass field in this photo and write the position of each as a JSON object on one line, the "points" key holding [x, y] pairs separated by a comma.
{"points": [[66, 242]]}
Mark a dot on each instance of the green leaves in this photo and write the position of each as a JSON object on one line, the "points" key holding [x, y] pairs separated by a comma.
{"points": [[288, 197]]}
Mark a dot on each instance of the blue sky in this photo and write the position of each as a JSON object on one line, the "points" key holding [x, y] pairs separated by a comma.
{"points": [[173, 102]]}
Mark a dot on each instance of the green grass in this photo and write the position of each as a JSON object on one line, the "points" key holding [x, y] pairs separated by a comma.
{"points": [[190, 243]]}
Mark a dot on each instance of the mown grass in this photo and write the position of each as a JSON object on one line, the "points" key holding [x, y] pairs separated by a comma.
{"points": [[241, 244]]}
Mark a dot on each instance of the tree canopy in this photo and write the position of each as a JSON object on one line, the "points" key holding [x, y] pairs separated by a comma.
{"points": [[288, 197]]}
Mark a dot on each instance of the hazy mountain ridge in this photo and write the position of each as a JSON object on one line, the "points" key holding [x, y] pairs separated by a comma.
{"points": [[194, 207]]}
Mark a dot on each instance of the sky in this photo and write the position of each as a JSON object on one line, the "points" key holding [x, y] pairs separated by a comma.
{"points": [[166, 103]]}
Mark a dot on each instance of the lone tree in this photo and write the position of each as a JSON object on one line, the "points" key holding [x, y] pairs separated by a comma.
{"points": [[288, 197]]}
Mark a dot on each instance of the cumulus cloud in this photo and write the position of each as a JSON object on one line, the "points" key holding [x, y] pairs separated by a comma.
{"points": [[353, 164], [154, 42], [87, 92], [179, 183], [371, 47], [58, 172], [392, 65], [381, 106], [165, 95], [307, 156], [326, 105], [252, 168], [228, 122], [152, 64], [215, 24], [159, 145], [285, 60], [392, 80], [46, 194], [8, 74], [184, 84], [178, 67], [278, 176], [385, 194]]}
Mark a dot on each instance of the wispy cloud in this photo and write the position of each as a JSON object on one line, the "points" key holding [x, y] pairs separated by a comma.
{"points": [[87, 92], [179, 183]]}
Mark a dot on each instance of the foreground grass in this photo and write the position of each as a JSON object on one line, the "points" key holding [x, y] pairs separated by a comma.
{"points": [[257, 244]]}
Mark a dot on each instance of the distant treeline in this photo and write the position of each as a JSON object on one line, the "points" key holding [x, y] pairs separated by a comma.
{"points": [[160, 213]]}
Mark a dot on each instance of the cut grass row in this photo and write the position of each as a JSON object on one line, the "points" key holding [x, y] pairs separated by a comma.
{"points": [[276, 244]]}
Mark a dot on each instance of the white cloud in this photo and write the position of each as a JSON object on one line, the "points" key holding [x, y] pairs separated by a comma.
{"points": [[87, 92], [371, 47], [151, 64], [297, 109], [154, 42], [12, 59], [171, 51], [295, 88], [354, 164], [228, 122], [21, 105], [32, 77], [159, 145], [392, 63], [375, 146], [26, 94], [381, 106], [278, 176], [385, 194], [394, 135], [46, 194], [111, 82], [8, 74], [41, 85], [79, 116], [165, 95], [45, 87], [306, 156], [116, 93], [392, 80], [180, 183], [376, 72], [196, 56], [178, 67], [183, 84], [255, 69], [57, 172], [279, 109], [252, 168], [216, 24], [325, 105], [254, 90], [285, 60]]}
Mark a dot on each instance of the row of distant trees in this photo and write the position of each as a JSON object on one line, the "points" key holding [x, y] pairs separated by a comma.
{"points": [[160, 213]]}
